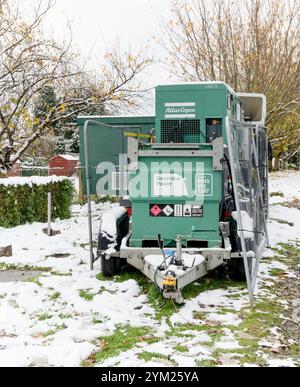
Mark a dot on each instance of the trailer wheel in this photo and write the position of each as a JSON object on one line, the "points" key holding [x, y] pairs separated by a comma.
{"points": [[111, 266]]}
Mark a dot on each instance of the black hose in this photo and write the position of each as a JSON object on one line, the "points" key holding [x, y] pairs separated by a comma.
{"points": [[230, 174]]}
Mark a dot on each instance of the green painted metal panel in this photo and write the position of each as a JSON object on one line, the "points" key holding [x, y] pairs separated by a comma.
{"points": [[106, 143], [146, 227], [187, 106], [199, 101]]}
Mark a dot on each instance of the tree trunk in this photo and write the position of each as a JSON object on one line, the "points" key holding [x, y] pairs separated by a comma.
{"points": [[277, 163]]}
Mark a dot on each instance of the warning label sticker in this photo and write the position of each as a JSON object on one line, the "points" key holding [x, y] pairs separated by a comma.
{"points": [[176, 210], [197, 211], [187, 211]]}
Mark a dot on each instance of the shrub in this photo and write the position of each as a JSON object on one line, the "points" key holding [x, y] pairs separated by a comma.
{"points": [[24, 200]]}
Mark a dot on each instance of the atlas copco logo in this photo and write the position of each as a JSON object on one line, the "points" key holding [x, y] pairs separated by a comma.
{"points": [[180, 110]]}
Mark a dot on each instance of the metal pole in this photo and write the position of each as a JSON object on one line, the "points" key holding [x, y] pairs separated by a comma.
{"points": [[88, 178], [49, 213], [88, 192], [178, 259]]}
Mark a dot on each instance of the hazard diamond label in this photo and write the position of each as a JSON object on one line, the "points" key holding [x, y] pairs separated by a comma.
{"points": [[176, 210], [161, 210], [168, 211], [155, 210]]}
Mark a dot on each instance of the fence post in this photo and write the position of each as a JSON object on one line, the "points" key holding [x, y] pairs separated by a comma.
{"points": [[49, 231], [80, 184]]}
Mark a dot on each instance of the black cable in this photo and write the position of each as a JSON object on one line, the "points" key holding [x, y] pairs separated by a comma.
{"points": [[230, 174]]}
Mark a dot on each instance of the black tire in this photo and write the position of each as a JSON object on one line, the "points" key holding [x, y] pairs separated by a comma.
{"points": [[113, 265], [110, 267]]}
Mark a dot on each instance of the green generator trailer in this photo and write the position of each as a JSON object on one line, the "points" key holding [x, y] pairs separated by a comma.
{"points": [[196, 195]]}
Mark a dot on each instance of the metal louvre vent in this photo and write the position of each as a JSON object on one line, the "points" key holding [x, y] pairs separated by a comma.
{"points": [[180, 131]]}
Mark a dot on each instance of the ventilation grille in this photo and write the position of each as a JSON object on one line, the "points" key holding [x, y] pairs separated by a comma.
{"points": [[177, 131]]}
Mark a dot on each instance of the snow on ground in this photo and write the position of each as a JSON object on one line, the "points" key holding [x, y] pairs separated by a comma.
{"points": [[56, 318]]}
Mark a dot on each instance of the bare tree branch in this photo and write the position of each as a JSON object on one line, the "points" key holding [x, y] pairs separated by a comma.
{"points": [[30, 62]]}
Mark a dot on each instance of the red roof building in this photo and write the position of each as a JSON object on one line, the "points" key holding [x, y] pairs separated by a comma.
{"points": [[16, 169], [63, 165]]}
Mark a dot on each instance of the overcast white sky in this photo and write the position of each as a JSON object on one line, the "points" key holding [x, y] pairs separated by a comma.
{"points": [[99, 22]]}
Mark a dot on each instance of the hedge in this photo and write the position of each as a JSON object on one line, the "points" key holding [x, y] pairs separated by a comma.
{"points": [[24, 200]]}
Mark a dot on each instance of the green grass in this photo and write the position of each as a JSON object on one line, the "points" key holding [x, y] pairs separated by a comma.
{"points": [[165, 308], [7, 266], [148, 356], [291, 204], [278, 194], [95, 321], [178, 329], [99, 199], [52, 332], [289, 254], [86, 295], [54, 296], [248, 356], [57, 274], [199, 315], [276, 272], [181, 348], [255, 324], [226, 310], [34, 280], [44, 317], [65, 316], [124, 338], [206, 363]]}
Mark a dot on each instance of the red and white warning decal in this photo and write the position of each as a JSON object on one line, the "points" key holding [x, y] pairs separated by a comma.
{"points": [[176, 210]]}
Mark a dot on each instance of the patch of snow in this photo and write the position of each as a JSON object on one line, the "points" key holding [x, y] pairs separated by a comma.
{"points": [[201, 337], [283, 232], [222, 298], [281, 363], [196, 350], [109, 221], [227, 343], [30, 181], [287, 182], [184, 361], [68, 157], [268, 344], [28, 311], [224, 319], [247, 224]]}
